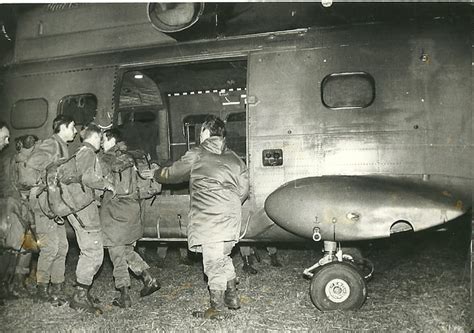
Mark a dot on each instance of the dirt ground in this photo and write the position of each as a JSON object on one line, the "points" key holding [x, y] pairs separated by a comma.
{"points": [[421, 283]]}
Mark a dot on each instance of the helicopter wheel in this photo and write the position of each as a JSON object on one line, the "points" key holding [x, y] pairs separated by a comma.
{"points": [[338, 286]]}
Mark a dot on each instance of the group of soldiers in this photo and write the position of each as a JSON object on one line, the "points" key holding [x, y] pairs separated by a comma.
{"points": [[111, 218]]}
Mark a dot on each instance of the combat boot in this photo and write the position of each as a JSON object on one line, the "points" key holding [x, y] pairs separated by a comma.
{"points": [[184, 257], [124, 301], [42, 294], [247, 267], [57, 295], [3, 292], [19, 287], [231, 297], [160, 262], [217, 310], [274, 260], [150, 284], [81, 302], [94, 300]]}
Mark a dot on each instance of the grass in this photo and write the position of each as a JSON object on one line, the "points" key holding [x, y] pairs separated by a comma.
{"points": [[421, 284]]}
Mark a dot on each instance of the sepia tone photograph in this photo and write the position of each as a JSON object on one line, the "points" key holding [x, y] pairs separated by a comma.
{"points": [[236, 166]]}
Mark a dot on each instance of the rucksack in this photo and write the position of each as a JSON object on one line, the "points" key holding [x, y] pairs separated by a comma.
{"points": [[135, 185], [64, 189], [15, 225], [25, 177], [146, 188]]}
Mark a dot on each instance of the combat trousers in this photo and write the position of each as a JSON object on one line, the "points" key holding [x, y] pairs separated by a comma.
{"points": [[247, 250], [7, 267], [53, 245], [124, 257], [23, 263], [89, 238], [218, 265]]}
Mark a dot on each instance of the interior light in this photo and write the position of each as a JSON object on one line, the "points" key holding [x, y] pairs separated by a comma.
{"points": [[138, 76]]}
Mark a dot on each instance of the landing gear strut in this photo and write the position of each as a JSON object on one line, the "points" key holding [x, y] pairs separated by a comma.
{"points": [[338, 281]]}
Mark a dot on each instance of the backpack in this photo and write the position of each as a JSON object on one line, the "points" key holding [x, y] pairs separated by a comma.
{"points": [[135, 185], [145, 188], [15, 225], [24, 176], [64, 189]]}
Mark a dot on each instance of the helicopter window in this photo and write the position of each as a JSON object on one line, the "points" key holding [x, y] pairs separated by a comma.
{"points": [[139, 112], [353, 90], [192, 128], [138, 90], [82, 108], [29, 113], [236, 133]]}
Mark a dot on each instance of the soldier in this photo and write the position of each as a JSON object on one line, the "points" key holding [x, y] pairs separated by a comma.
{"points": [[86, 222], [52, 238], [120, 216], [4, 135], [24, 146], [5, 258], [218, 181]]}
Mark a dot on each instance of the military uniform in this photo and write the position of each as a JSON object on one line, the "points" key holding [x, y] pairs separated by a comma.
{"points": [[24, 256], [7, 258], [86, 223], [52, 239], [218, 186], [120, 216]]}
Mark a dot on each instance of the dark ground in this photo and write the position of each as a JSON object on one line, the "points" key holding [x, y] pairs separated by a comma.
{"points": [[421, 283]]}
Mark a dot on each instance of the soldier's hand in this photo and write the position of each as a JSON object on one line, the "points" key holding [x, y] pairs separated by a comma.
{"points": [[148, 173], [111, 188]]}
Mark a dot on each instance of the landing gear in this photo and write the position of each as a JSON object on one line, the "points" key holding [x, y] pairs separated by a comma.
{"points": [[339, 279], [338, 286]]}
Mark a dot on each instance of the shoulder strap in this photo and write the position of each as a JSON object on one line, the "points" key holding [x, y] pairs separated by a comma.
{"points": [[60, 146], [13, 171], [61, 161]]}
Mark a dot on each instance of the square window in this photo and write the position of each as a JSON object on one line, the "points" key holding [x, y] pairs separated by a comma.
{"points": [[354, 90], [82, 108], [29, 113]]}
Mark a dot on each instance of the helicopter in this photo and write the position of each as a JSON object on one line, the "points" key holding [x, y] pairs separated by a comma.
{"points": [[354, 120]]}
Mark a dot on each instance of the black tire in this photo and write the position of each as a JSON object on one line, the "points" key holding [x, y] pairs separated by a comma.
{"points": [[338, 286]]}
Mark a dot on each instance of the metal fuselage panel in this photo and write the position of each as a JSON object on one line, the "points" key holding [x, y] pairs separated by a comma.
{"points": [[53, 87], [419, 123], [86, 29]]}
